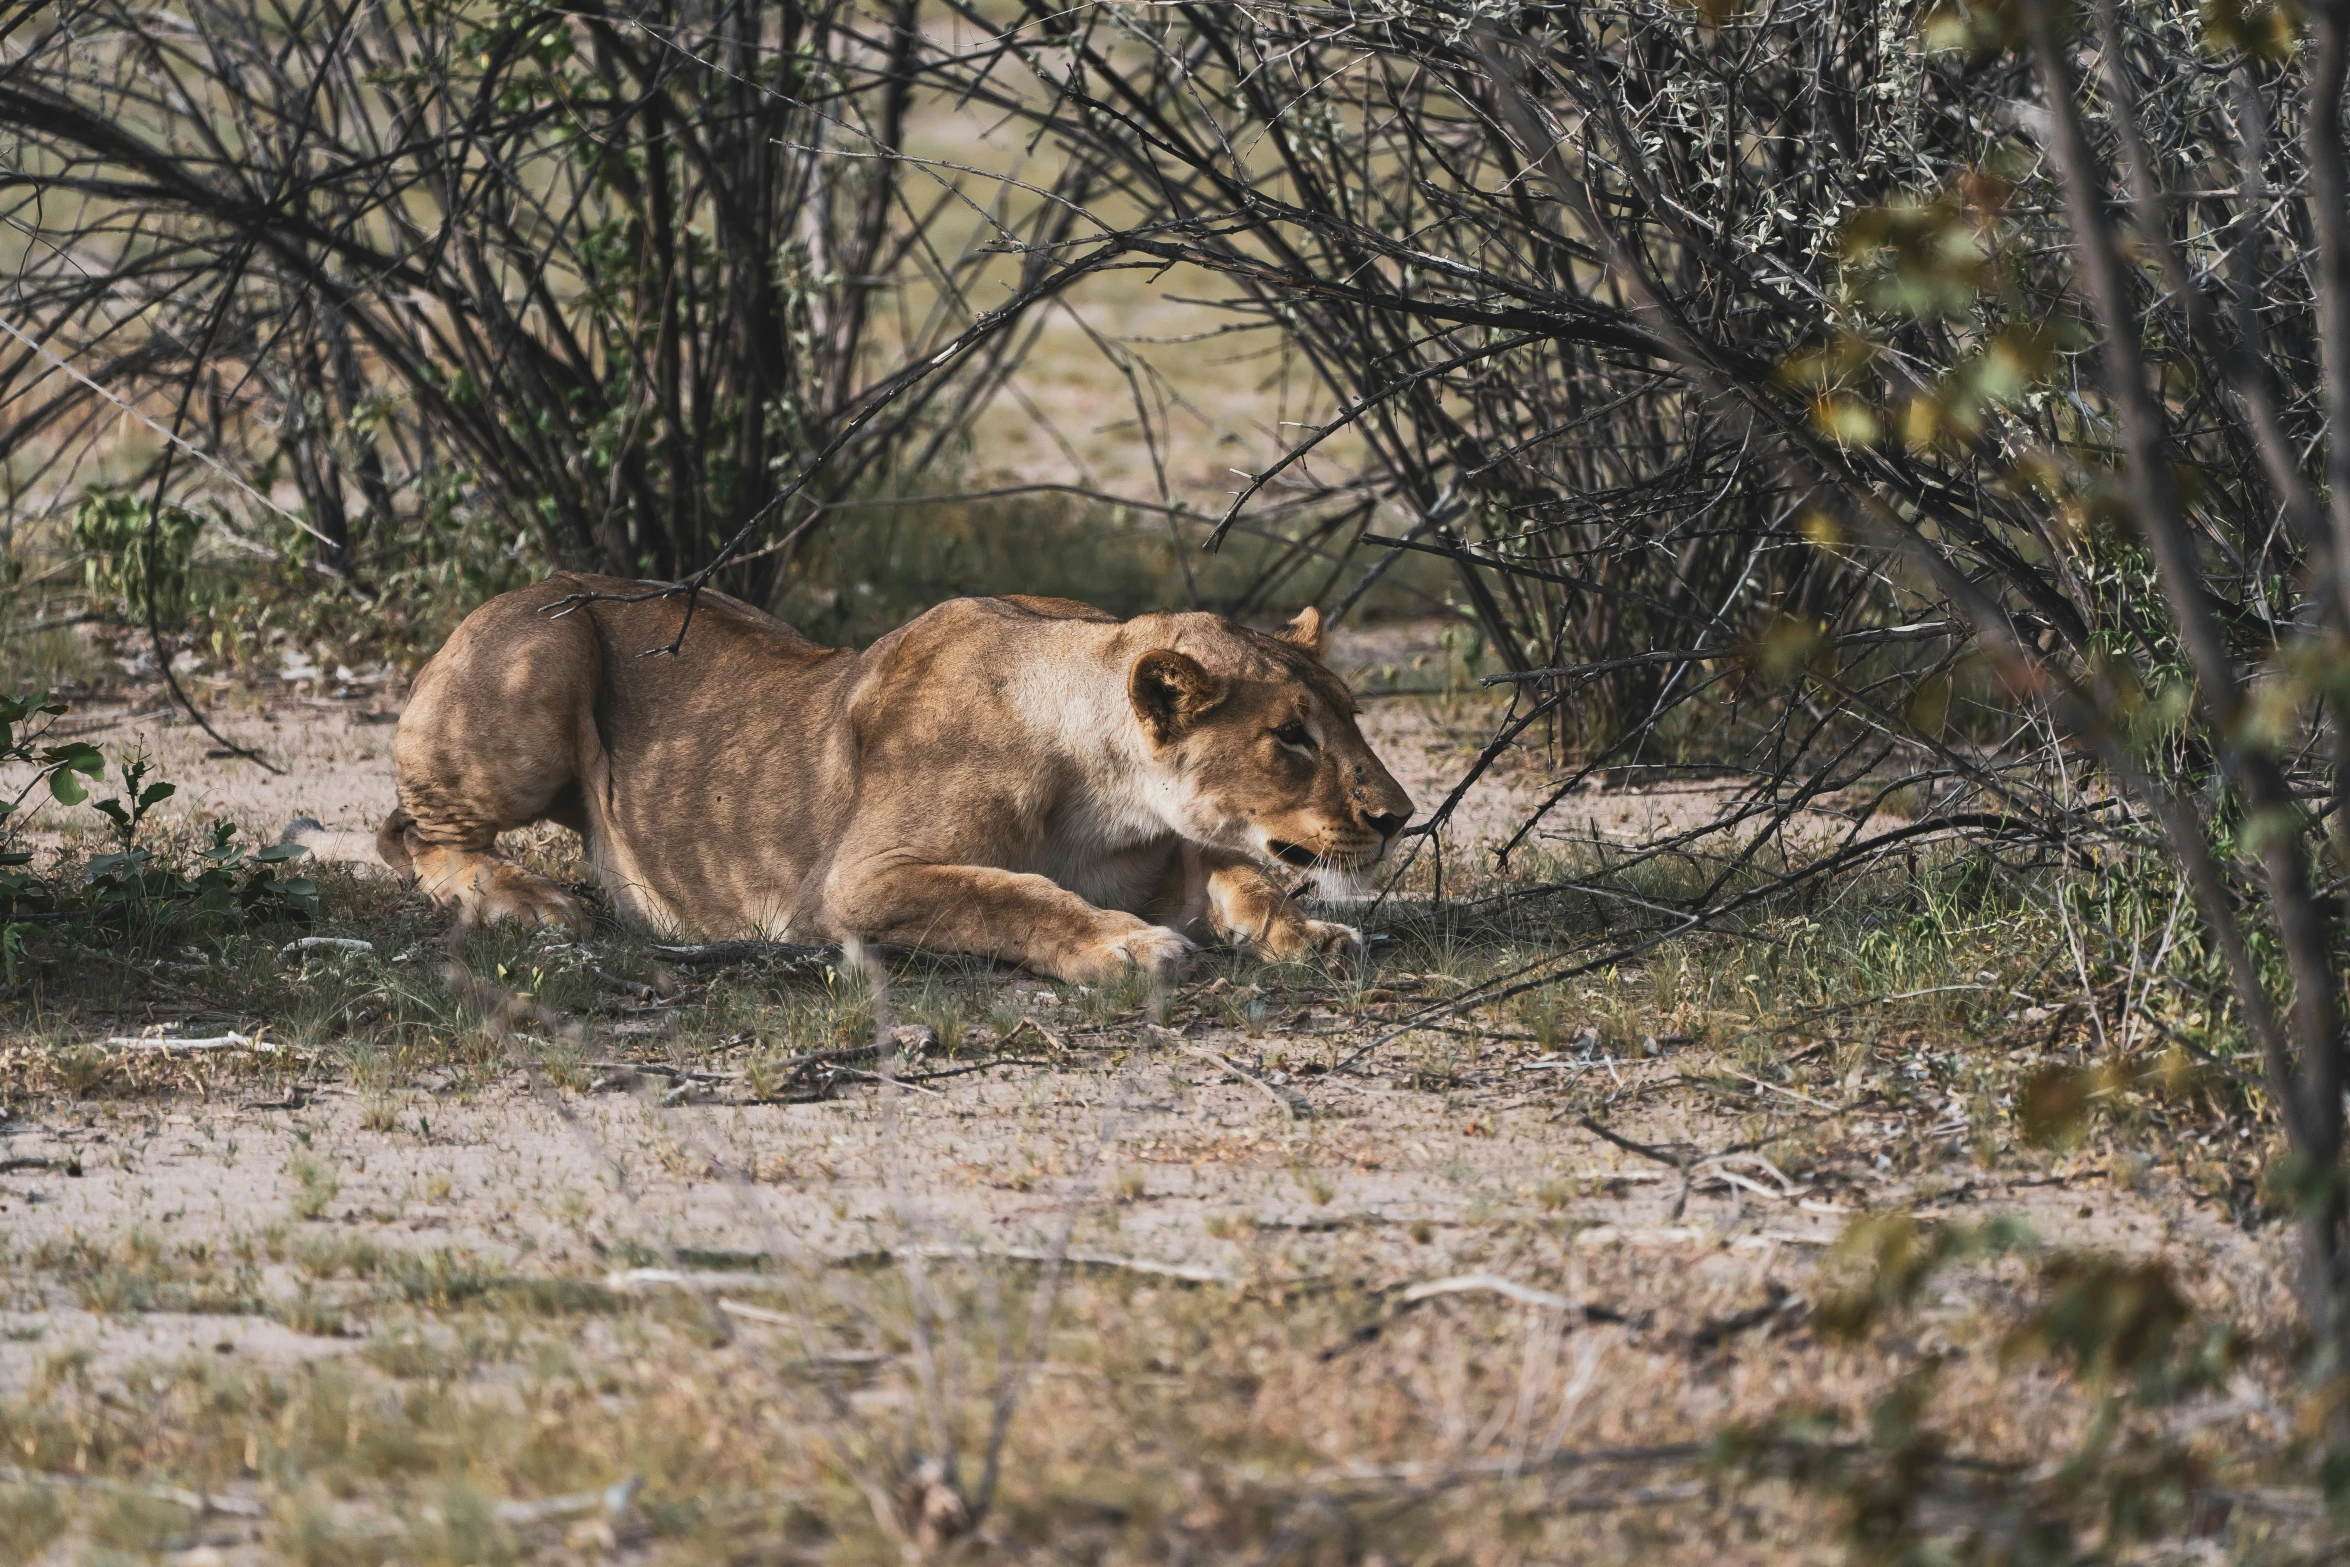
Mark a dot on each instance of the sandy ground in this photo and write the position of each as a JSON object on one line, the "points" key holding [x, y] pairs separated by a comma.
{"points": [[1166, 1160], [1226, 1178], [1457, 1167]]}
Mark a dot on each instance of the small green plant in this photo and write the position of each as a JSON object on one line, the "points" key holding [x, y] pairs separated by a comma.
{"points": [[319, 1186], [136, 559], [45, 915], [142, 796]]}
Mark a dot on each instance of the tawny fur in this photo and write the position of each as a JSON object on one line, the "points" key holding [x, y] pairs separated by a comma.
{"points": [[1026, 778]]}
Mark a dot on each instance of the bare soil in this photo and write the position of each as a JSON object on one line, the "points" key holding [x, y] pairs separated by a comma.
{"points": [[1212, 1155]]}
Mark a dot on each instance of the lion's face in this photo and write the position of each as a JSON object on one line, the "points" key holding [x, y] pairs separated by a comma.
{"points": [[1261, 755]]}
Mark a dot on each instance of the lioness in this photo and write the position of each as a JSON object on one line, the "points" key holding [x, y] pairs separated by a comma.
{"points": [[1027, 778]]}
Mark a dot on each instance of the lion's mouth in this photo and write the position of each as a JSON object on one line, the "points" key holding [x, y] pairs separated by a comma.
{"points": [[1338, 877]]}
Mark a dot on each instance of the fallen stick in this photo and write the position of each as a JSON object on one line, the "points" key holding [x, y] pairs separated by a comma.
{"points": [[1491, 1283], [964, 1071], [203, 1503], [877, 1077], [302, 946], [1733, 1178], [1292, 1104], [750, 1313], [1787, 1184], [726, 952], [784, 1319], [1642, 1235], [675, 1073], [613, 1502], [1817, 1104], [229, 1041], [627, 987], [722, 1278], [1466, 1284], [1044, 1033], [1662, 1156]]}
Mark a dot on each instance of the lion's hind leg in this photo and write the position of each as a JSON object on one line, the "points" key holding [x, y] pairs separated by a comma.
{"points": [[493, 739]]}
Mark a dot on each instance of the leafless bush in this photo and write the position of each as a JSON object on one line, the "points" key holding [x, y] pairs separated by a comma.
{"points": [[617, 274], [1805, 341]]}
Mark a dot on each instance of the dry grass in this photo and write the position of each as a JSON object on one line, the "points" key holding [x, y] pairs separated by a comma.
{"points": [[371, 1288]]}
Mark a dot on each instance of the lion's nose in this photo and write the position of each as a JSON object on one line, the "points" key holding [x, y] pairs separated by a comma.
{"points": [[1387, 824]]}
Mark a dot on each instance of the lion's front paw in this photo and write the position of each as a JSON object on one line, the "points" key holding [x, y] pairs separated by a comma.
{"points": [[1289, 940], [508, 892], [1151, 949], [1334, 940]]}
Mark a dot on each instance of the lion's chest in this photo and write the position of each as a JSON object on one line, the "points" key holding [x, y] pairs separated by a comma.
{"points": [[1107, 851]]}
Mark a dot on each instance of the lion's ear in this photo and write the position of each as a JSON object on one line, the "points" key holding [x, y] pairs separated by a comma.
{"points": [[1305, 632], [1171, 692]]}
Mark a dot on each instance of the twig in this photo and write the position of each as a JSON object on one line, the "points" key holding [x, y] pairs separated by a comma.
{"points": [[202, 1503], [988, 1065], [660, 1069], [1441, 1474], [613, 1502], [627, 987], [141, 1042], [876, 1077], [1492, 1284], [1661, 1156], [1292, 1104], [1042, 1032], [721, 953], [1776, 1089], [704, 1279], [303, 945]]}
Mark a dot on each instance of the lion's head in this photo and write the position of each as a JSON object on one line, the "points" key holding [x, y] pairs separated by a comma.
{"points": [[1260, 750]]}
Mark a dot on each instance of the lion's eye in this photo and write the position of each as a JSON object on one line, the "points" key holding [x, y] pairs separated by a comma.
{"points": [[1294, 733]]}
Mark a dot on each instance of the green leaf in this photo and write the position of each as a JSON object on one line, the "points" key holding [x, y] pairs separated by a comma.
{"points": [[83, 758], [155, 794], [66, 787], [271, 853]]}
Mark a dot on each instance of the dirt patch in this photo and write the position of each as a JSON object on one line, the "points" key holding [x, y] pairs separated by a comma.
{"points": [[324, 757], [1316, 1267]]}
